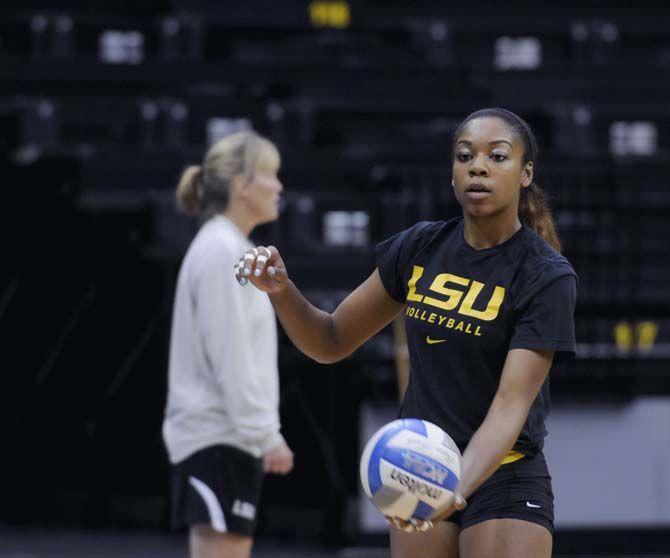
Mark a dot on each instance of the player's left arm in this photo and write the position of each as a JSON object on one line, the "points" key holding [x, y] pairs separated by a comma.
{"points": [[523, 374]]}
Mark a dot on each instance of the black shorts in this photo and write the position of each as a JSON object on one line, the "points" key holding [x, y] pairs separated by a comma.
{"points": [[518, 490], [219, 486]]}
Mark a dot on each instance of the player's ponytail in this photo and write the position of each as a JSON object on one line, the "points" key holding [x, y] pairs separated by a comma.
{"points": [[534, 208], [534, 211], [189, 190]]}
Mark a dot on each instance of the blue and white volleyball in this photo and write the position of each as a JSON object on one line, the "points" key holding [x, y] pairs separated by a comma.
{"points": [[410, 468]]}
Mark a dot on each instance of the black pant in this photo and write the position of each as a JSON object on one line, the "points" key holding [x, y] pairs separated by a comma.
{"points": [[518, 490], [219, 486]]}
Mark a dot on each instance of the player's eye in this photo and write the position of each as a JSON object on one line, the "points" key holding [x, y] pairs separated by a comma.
{"points": [[463, 156], [499, 157]]}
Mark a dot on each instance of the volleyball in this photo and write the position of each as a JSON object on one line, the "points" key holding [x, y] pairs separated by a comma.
{"points": [[410, 468]]}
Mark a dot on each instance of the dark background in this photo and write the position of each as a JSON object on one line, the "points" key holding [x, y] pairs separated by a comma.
{"points": [[361, 99]]}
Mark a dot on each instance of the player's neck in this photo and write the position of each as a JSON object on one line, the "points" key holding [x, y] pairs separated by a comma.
{"points": [[482, 233], [240, 218]]}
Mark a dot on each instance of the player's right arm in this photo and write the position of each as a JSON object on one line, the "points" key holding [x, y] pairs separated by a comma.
{"points": [[324, 337]]}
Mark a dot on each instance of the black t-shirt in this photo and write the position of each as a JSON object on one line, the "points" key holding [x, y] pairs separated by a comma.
{"points": [[465, 309]]}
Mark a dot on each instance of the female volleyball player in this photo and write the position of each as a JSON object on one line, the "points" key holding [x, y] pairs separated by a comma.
{"points": [[488, 302], [221, 423]]}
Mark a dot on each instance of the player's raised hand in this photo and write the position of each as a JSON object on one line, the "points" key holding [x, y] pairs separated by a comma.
{"points": [[263, 267]]}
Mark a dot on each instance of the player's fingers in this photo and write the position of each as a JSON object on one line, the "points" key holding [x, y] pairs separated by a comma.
{"points": [[262, 258], [275, 266], [237, 269], [460, 503], [285, 464], [249, 260], [277, 273], [280, 465], [395, 522], [273, 252], [409, 528], [420, 525], [398, 523]]}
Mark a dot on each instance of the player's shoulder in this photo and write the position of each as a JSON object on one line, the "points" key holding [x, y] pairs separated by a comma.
{"points": [[425, 232], [217, 243], [541, 263]]}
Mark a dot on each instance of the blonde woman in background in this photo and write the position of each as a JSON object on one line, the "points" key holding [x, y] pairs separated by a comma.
{"points": [[221, 426]]}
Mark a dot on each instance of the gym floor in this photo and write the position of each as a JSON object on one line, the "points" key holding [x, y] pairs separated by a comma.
{"points": [[33, 543]]}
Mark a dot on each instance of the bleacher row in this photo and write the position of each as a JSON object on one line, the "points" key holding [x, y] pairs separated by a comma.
{"points": [[363, 114]]}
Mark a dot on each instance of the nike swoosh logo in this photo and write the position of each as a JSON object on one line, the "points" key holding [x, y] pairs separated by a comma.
{"points": [[433, 341], [532, 505]]}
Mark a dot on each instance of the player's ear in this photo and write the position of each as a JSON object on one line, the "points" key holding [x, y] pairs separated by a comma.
{"points": [[239, 186], [527, 174]]}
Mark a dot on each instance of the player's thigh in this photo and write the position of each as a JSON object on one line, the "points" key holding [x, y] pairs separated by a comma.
{"points": [[505, 538], [439, 542], [205, 542]]}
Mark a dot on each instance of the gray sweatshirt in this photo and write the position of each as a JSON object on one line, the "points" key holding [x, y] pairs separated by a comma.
{"points": [[223, 384]]}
